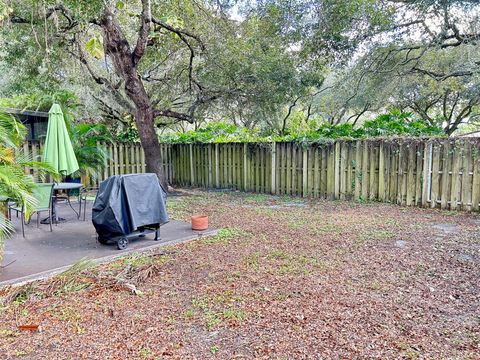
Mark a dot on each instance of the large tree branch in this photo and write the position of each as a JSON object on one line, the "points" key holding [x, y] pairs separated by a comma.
{"points": [[289, 112], [113, 88], [180, 32], [146, 21], [184, 35], [441, 76], [16, 19], [173, 114], [359, 114]]}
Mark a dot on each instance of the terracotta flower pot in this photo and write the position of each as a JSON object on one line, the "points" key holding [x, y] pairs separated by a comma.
{"points": [[199, 222]]}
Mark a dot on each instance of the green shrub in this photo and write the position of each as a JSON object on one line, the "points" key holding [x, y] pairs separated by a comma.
{"points": [[393, 123]]}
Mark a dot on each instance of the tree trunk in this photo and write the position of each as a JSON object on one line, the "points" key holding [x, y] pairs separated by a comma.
{"points": [[117, 46], [150, 145]]}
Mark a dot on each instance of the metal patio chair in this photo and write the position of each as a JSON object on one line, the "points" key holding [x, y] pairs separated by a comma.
{"points": [[44, 195]]}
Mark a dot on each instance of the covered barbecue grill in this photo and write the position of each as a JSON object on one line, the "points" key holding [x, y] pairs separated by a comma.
{"points": [[129, 206]]}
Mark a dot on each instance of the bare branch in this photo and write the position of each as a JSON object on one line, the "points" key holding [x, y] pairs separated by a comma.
{"points": [[49, 12], [440, 76], [173, 114], [184, 35], [180, 32]]}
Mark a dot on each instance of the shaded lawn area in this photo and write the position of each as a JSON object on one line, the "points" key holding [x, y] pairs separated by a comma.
{"points": [[285, 278]]}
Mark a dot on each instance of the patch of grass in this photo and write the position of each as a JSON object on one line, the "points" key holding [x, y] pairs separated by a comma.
{"points": [[71, 280], [264, 211], [20, 353], [139, 267], [231, 313], [391, 222], [286, 268], [323, 229], [283, 263], [279, 254], [409, 351], [280, 262], [145, 352], [234, 276], [224, 236], [297, 223], [216, 309], [224, 297], [8, 333], [255, 198], [214, 349], [178, 208], [189, 313], [369, 235], [71, 316], [133, 260], [212, 319], [450, 213], [376, 285], [314, 262], [251, 261], [282, 296]]}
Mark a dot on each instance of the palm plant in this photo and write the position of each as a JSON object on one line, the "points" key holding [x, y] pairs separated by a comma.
{"points": [[91, 156], [15, 185]]}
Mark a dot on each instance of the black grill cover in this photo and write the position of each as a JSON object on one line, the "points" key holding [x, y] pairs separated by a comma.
{"points": [[125, 203]]}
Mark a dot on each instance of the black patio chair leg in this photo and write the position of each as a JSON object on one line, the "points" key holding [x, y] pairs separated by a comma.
{"points": [[80, 207], [50, 216], [38, 219], [85, 209]]}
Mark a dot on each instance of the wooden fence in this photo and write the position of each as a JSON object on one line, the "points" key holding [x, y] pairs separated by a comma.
{"points": [[122, 159], [442, 173]]}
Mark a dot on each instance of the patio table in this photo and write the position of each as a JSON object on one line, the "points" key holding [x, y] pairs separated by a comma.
{"points": [[63, 186]]}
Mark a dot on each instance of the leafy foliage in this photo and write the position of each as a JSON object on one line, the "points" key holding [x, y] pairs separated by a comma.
{"points": [[91, 156], [400, 124], [84, 136], [41, 101], [394, 123]]}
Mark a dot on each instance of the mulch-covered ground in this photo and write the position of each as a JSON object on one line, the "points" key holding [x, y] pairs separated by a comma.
{"points": [[285, 278]]}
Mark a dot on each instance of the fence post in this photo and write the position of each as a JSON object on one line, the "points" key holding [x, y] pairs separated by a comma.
{"points": [[358, 171], [427, 173], [114, 163], [144, 164], [217, 167], [446, 178], [336, 180], [121, 160], [304, 172], [476, 181], [274, 167], [192, 169], [245, 167], [381, 173], [210, 170], [101, 177]]}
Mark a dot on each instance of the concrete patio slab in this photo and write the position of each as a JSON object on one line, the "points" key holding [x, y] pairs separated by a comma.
{"points": [[42, 253]]}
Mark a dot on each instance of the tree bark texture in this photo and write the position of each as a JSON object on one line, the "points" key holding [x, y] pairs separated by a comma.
{"points": [[125, 64]]}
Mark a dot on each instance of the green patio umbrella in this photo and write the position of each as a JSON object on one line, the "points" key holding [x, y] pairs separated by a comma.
{"points": [[58, 147]]}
